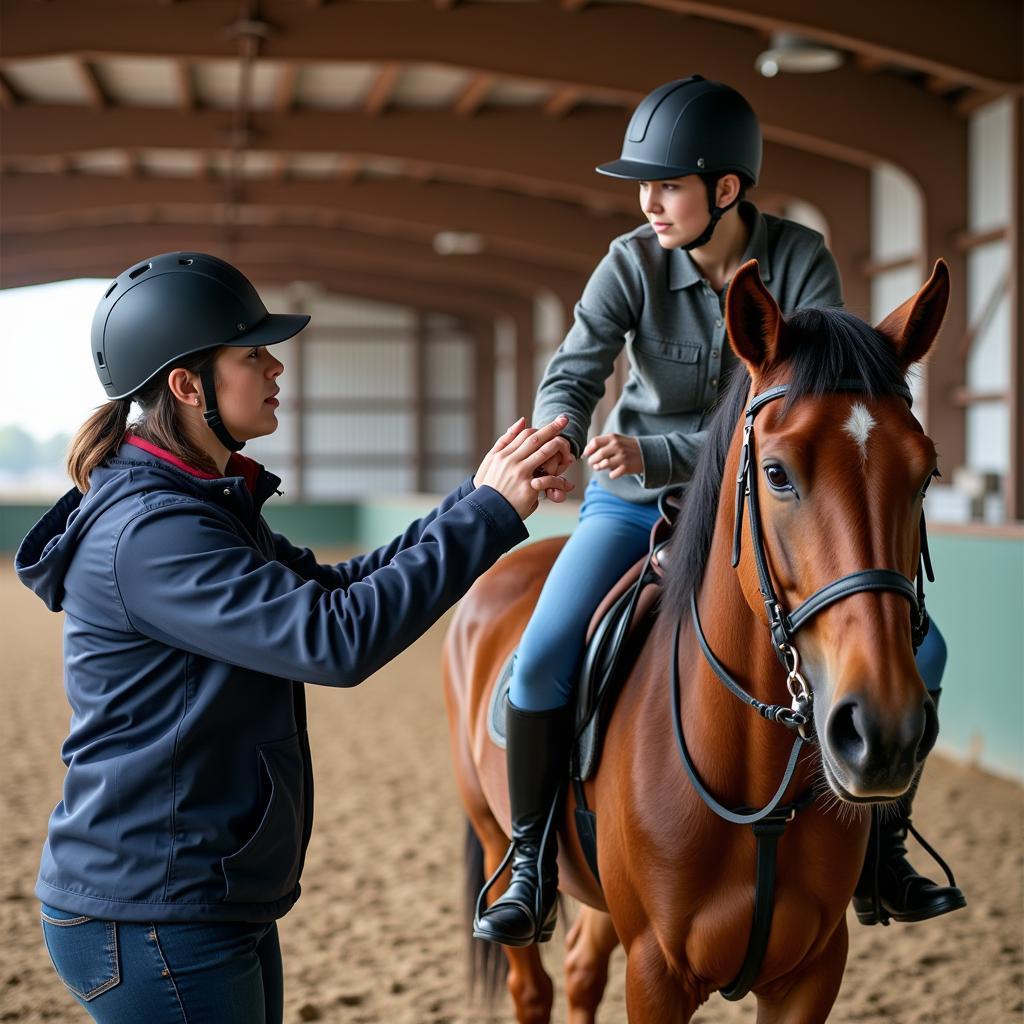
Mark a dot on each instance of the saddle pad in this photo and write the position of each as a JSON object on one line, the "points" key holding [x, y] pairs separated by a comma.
{"points": [[496, 709]]}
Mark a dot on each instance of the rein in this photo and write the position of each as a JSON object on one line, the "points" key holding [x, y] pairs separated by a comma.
{"points": [[770, 821]]}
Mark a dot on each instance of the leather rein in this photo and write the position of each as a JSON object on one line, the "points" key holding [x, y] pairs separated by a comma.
{"points": [[770, 821]]}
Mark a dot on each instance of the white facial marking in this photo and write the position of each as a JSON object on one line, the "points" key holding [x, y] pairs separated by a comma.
{"points": [[858, 426]]}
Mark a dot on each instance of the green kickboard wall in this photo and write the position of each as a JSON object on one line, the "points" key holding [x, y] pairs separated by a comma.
{"points": [[977, 600]]}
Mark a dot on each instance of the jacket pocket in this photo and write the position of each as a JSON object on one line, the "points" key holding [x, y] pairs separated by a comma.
{"points": [[83, 952], [267, 867], [671, 370]]}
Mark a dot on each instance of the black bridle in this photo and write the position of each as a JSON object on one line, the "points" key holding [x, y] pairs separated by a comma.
{"points": [[770, 821]]}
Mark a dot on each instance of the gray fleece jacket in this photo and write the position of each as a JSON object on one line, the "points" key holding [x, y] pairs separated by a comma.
{"points": [[656, 303]]}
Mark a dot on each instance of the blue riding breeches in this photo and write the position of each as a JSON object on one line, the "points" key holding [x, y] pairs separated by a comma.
{"points": [[612, 534]]}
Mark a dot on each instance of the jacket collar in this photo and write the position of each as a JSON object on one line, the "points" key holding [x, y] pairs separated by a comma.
{"points": [[683, 272], [238, 465]]}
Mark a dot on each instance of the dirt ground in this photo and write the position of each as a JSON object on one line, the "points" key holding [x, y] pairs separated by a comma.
{"points": [[378, 936]]}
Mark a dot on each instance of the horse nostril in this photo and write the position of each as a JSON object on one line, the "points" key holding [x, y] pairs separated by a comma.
{"points": [[844, 734], [930, 732]]}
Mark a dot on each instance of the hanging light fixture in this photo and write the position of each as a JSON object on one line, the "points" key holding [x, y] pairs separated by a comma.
{"points": [[796, 55], [458, 243]]}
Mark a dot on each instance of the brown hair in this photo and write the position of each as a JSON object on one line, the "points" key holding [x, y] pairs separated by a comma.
{"points": [[102, 433]]}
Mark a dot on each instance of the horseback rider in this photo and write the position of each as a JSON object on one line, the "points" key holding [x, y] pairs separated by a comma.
{"points": [[694, 148]]}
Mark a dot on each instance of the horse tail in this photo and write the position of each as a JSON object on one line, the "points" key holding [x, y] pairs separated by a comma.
{"points": [[487, 966]]}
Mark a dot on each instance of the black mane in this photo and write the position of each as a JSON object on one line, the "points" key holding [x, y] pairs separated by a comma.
{"points": [[825, 346]]}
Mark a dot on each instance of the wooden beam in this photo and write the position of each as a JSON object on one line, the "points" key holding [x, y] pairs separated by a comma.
{"points": [[486, 149], [876, 268], [474, 95], [64, 253], [964, 397], [532, 229], [917, 125], [349, 169], [186, 86], [951, 41], [383, 88], [285, 87], [972, 100], [562, 101], [9, 96], [87, 75], [967, 240]]}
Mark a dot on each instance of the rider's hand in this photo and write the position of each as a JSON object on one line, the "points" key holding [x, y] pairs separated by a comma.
{"points": [[556, 466], [520, 453], [618, 453]]}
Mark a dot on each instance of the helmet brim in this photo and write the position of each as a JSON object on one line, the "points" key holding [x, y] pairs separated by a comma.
{"points": [[637, 170], [273, 328]]}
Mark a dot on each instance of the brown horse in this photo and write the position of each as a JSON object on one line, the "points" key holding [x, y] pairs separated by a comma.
{"points": [[838, 469]]}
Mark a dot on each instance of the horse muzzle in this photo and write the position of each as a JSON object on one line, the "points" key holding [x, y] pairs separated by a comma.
{"points": [[871, 755]]}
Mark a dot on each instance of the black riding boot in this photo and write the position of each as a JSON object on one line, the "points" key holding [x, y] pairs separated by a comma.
{"points": [[537, 753], [889, 887]]}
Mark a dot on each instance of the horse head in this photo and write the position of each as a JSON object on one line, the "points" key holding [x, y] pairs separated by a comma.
{"points": [[839, 466]]}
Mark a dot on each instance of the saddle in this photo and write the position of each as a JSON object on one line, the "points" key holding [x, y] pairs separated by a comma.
{"points": [[617, 627]]}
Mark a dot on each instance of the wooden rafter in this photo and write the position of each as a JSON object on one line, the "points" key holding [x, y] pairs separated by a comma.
{"points": [[482, 151], [530, 228], [917, 124], [383, 88], [330, 251], [186, 86], [91, 83], [969, 44], [563, 100], [287, 84], [9, 96], [474, 95]]}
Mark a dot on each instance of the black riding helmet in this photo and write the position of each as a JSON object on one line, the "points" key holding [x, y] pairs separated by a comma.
{"points": [[691, 126], [171, 306]]}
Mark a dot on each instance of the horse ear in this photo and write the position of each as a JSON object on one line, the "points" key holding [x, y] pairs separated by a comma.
{"points": [[752, 318], [912, 327]]}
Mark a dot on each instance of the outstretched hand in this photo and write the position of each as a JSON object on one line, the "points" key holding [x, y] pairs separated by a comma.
{"points": [[520, 463]]}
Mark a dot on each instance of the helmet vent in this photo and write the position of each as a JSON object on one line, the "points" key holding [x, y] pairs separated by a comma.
{"points": [[186, 262], [99, 359], [139, 271], [110, 291]]}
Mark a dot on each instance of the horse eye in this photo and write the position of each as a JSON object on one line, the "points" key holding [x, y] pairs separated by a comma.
{"points": [[777, 477]]}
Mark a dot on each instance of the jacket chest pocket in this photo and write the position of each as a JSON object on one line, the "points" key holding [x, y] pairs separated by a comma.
{"points": [[267, 867], [671, 370]]}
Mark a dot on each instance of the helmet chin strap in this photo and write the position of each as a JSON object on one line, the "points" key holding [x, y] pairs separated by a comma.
{"points": [[212, 414], [716, 215]]}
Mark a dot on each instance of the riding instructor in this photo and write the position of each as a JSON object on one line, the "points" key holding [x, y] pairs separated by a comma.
{"points": [[189, 627], [694, 148]]}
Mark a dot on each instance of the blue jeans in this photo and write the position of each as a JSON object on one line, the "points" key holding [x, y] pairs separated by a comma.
{"points": [[612, 534], [158, 973]]}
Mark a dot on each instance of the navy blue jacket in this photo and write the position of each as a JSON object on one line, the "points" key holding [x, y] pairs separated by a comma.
{"points": [[187, 627]]}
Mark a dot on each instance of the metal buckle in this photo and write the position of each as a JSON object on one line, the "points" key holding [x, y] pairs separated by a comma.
{"points": [[803, 696]]}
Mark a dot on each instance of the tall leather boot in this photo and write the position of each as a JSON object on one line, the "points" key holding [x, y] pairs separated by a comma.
{"points": [[537, 754], [889, 887]]}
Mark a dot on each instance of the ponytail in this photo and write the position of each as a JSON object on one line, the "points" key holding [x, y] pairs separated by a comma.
{"points": [[97, 439], [102, 433]]}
